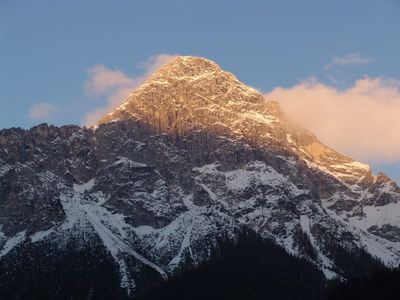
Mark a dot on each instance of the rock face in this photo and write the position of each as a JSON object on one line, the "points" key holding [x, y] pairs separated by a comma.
{"points": [[192, 157]]}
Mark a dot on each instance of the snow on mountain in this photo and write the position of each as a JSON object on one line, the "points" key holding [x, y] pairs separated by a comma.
{"points": [[192, 157]]}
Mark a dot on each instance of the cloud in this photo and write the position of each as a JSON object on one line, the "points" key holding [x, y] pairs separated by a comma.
{"points": [[102, 80], [351, 59], [41, 110], [116, 85], [362, 121]]}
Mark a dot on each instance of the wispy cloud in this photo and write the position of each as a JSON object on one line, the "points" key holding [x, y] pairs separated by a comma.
{"points": [[41, 111], [351, 59], [362, 121], [116, 85], [102, 80]]}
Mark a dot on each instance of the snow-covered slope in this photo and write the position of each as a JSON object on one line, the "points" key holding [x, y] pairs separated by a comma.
{"points": [[192, 157]]}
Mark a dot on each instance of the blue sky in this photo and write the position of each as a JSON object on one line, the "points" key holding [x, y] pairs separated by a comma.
{"points": [[47, 47]]}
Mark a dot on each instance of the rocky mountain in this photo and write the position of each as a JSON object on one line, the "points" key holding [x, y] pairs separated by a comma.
{"points": [[191, 158]]}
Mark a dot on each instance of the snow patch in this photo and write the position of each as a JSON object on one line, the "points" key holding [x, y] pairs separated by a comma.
{"points": [[12, 243], [378, 215], [40, 235], [110, 227], [123, 161], [327, 264]]}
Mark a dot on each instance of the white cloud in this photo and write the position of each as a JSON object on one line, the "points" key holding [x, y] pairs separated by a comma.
{"points": [[116, 85], [362, 121], [41, 110], [351, 59]]}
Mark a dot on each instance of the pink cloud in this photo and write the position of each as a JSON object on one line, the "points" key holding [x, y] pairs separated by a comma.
{"points": [[102, 80], [362, 121]]}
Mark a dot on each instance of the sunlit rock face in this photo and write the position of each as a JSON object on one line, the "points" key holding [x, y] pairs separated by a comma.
{"points": [[192, 157]]}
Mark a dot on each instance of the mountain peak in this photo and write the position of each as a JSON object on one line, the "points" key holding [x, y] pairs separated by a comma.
{"points": [[186, 92], [187, 66], [195, 71]]}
